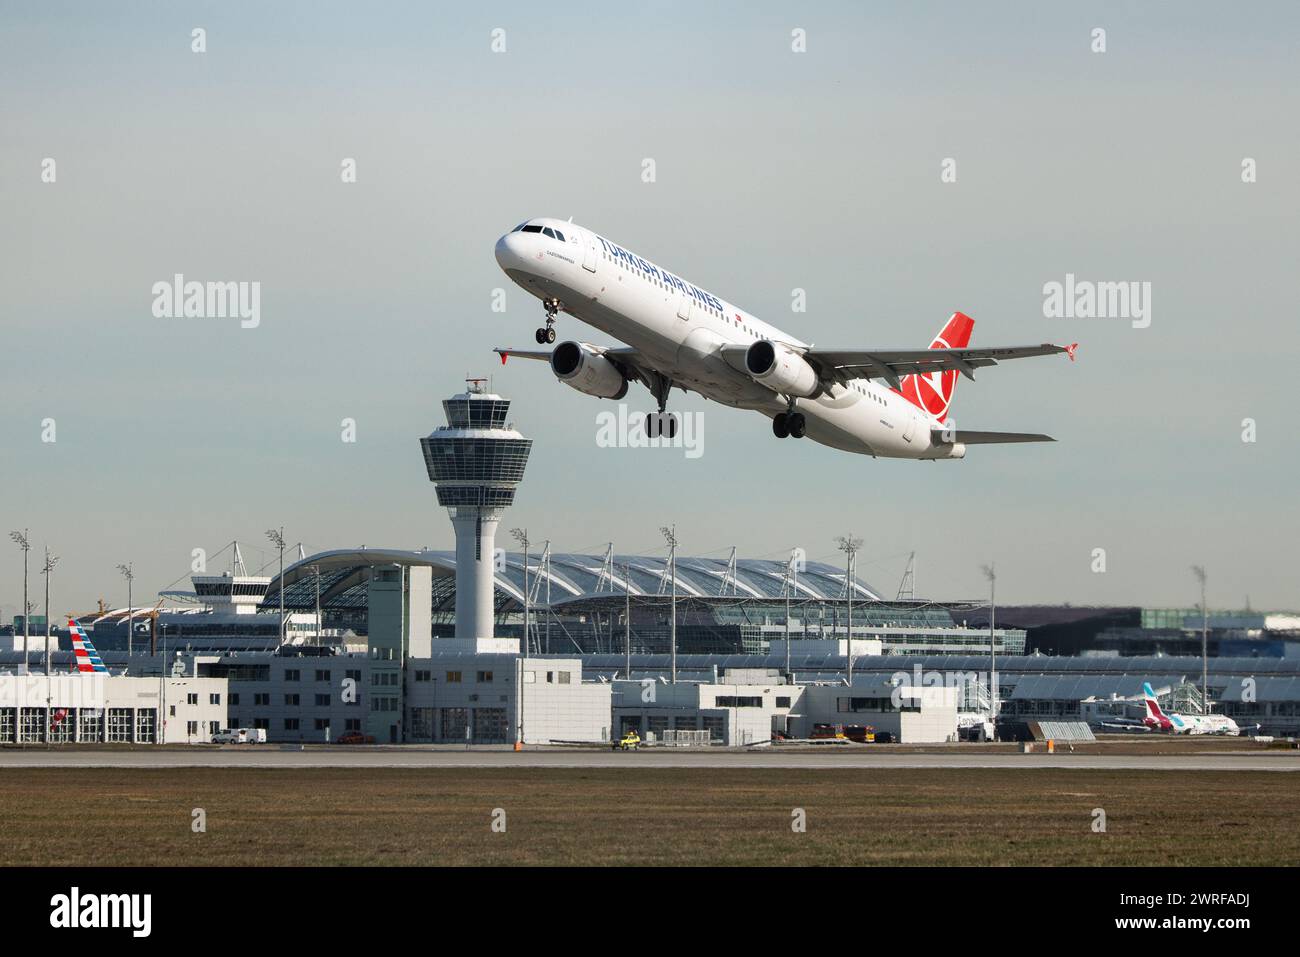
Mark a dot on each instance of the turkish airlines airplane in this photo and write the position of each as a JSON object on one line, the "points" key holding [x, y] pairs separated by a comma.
{"points": [[1170, 723], [891, 403]]}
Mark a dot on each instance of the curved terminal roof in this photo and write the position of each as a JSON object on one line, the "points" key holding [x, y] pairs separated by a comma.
{"points": [[345, 572]]}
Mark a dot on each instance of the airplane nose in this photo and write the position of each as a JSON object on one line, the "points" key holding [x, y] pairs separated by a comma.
{"points": [[508, 252]]}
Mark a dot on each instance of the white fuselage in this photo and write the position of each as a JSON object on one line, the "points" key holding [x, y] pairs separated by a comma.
{"points": [[682, 330]]}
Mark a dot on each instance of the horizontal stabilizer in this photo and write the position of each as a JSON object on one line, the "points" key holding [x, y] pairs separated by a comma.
{"points": [[945, 437]]}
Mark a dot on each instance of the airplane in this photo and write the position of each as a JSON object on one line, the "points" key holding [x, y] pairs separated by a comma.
{"points": [[1171, 723], [84, 655], [890, 403]]}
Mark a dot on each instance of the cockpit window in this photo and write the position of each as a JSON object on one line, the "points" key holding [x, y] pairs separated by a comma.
{"points": [[532, 229], [559, 235], [548, 232], [519, 227]]}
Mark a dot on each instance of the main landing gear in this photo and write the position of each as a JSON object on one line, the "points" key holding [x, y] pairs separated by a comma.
{"points": [[661, 424], [547, 332], [789, 423]]}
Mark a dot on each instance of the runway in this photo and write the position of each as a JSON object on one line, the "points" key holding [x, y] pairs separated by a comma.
{"points": [[289, 758]]}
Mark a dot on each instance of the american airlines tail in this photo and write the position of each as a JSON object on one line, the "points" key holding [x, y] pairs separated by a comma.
{"points": [[84, 655], [933, 391]]}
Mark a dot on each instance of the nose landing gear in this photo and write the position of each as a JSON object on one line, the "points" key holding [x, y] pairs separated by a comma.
{"points": [[547, 333], [661, 424]]}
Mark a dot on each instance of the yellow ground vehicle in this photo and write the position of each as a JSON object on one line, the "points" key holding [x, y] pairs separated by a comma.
{"points": [[629, 742]]}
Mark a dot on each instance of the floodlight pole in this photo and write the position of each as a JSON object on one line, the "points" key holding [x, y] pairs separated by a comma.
{"points": [[991, 574], [627, 619], [21, 539], [50, 562], [276, 535], [670, 535], [521, 536], [849, 545], [1199, 572], [128, 570]]}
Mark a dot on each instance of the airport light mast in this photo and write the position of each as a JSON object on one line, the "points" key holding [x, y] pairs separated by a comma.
{"points": [[128, 572], [521, 536], [276, 535], [991, 574], [1199, 572], [670, 536], [476, 461], [849, 545], [21, 539], [50, 562], [791, 583]]}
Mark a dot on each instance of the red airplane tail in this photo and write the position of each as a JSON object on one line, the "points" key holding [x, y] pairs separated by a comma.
{"points": [[933, 391]]}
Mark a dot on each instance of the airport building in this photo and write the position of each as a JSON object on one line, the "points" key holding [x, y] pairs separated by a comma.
{"points": [[424, 646], [96, 708]]}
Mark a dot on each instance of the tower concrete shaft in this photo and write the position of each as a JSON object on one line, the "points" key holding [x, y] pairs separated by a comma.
{"points": [[475, 461]]}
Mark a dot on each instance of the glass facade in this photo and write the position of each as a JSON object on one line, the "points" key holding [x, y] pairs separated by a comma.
{"points": [[459, 459]]}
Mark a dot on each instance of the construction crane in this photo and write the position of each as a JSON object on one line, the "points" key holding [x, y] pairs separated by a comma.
{"points": [[151, 614]]}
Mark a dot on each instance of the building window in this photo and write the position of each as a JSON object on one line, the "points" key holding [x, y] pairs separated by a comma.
{"points": [[783, 701], [354, 674], [322, 674], [322, 724], [234, 698], [484, 677], [214, 698], [291, 700], [291, 674], [259, 698], [191, 728], [263, 723], [563, 677], [352, 724], [322, 701], [291, 724], [192, 698], [423, 675], [453, 677]]}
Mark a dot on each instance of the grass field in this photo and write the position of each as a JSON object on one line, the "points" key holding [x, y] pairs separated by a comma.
{"points": [[646, 817]]}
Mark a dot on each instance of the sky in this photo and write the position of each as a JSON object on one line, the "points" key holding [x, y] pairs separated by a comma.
{"points": [[775, 170]]}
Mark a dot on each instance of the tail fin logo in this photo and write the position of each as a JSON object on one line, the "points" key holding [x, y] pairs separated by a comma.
{"points": [[84, 655], [932, 391]]}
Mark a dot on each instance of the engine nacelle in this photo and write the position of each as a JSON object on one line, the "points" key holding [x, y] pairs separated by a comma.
{"points": [[581, 366], [781, 369]]}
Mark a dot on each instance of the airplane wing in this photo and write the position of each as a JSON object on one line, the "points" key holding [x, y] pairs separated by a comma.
{"points": [[966, 437], [631, 363], [842, 365]]}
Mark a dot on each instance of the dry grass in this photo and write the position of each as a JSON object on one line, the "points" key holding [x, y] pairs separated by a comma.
{"points": [[646, 817]]}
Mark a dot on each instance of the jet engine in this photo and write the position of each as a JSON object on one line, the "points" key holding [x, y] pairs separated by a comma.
{"points": [[581, 366], [781, 369]]}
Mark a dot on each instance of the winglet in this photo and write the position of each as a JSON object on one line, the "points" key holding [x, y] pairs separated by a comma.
{"points": [[504, 355], [1069, 350]]}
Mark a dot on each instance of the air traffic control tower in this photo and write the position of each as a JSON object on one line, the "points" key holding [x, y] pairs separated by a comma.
{"points": [[476, 460]]}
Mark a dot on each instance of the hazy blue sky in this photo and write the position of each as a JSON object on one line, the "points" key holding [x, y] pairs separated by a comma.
{"points": [[775, 170]]}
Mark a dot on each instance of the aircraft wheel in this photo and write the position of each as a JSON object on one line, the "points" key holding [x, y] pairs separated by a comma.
{"points": [[540, 336], [780, 425], [550, 334], [797, 425]]}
